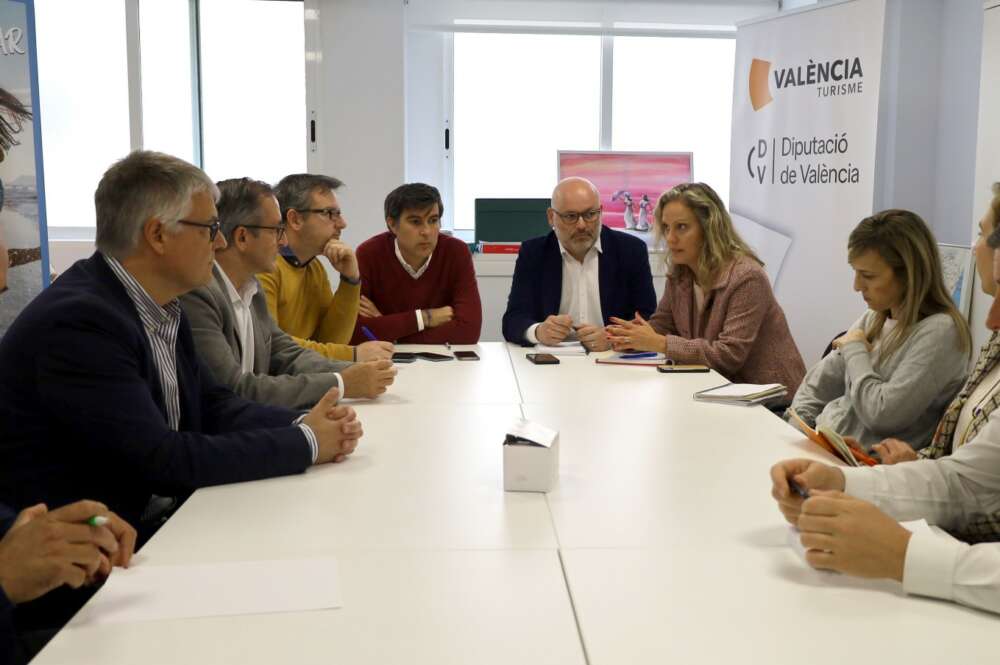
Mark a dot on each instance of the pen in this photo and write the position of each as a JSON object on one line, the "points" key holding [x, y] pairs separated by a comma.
{"points": [[98, 520], [632, 356], [368, 333], [798, 489]]}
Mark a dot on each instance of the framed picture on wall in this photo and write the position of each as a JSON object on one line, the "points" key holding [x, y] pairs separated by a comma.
{"points": [[957, 266], [629, 182]]}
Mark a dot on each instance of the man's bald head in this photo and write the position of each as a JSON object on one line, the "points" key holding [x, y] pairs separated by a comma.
{"points": [[573, 199], [577, 189]]}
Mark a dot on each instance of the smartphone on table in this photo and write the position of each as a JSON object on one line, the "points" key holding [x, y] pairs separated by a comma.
{"points": [[404, 357], [542, 358], [681, 369], [466, 355], [433, 357]]}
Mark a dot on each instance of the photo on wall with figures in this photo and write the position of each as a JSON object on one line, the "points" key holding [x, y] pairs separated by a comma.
{"points": [[630, 183]]}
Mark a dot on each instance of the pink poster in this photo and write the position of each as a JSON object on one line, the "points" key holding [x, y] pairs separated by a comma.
{"points": [[630, 183]]}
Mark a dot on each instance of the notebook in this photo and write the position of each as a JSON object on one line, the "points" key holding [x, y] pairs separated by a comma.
{"points": [[832, 442], [652, 359], [742, 394]]}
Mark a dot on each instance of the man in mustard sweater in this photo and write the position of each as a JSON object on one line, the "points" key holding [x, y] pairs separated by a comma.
{"points": [[298, 291]]}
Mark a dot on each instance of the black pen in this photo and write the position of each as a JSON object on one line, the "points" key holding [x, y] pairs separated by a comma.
{"points": [[798, 489]]}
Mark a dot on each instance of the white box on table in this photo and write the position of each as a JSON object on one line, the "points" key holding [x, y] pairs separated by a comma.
{"points": [[530, 457]]}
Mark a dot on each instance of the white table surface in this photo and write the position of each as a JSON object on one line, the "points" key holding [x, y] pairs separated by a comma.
{"points": [[403, 607], [661, 528], [616, 387], [657, 474], [423, 477], [753, 601], [489, 380]]}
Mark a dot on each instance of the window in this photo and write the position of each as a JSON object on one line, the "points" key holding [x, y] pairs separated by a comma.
{"points": [[253, 89], [249, 119], [168, 113], [676, 94], [83, 102], [518, 100]]}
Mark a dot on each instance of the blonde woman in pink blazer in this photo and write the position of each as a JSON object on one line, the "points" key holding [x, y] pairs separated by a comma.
{"points": [[718, 308]]}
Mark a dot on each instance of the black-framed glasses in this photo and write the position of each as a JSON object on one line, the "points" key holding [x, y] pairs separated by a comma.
{"points": [[589, 216], [329, 213], [213, 226], [279, 230]]}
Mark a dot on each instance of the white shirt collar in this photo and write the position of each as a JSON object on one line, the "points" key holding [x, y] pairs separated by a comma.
{"points": [[415, 274], [244, 295]]}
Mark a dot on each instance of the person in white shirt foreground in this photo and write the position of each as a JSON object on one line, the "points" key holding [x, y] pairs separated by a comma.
{"points": [[850, 522]]}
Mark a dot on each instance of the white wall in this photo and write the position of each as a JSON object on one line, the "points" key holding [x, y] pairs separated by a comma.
{"points": [[438, 13], [355, 84], [958, 104], [925, 159], [988, 150], [426, 55]]}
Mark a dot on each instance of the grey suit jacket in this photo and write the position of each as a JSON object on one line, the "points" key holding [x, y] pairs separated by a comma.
{"points": [[284, 373]]}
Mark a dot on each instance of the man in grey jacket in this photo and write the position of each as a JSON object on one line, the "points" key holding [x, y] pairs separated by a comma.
{"points": [[233, 331]]}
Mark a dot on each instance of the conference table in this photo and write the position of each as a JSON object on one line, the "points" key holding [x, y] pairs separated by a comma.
{"points": [[660, 543]]}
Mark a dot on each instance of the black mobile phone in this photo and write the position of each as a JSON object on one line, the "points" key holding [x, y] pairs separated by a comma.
{"points": [[433, 357], [542, 358], [404, 357], [466, 355], [681, 369]]}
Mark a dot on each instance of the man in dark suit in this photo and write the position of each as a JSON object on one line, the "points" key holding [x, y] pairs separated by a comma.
{"points": [[236, 337], [569, 283], [102, 394]]}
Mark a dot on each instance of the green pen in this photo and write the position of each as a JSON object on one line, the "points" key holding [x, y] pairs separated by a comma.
{"points": [[98, 520]]}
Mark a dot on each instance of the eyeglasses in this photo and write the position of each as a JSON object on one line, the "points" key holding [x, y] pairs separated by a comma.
{"points": [[213, 226], [329, 213], [279, 230], [571, 218]]}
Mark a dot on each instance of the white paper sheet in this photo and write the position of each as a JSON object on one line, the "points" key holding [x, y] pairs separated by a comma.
{"points": [[146, 592]]}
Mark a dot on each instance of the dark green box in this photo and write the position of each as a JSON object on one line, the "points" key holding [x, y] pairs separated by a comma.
{"points": [[511, 220]]}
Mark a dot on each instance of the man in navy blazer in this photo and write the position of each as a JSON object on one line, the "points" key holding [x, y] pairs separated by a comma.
{"points": [[102, 393], [568, 284]]}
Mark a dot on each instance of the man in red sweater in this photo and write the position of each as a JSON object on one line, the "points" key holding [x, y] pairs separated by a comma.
{"points": [[417, 286]]}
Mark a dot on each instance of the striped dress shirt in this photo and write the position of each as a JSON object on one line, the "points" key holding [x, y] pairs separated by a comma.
{"points": [[161, 325]]}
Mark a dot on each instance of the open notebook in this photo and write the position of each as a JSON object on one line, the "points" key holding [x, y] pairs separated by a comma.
{"points": [[832, 442], [651, 359]]}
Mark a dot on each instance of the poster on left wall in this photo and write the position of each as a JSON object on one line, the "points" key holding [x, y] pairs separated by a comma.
{"points": [[24, 265]]}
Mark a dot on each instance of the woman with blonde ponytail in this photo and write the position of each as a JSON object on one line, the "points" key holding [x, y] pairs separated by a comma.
{"points": [[897, 368]]}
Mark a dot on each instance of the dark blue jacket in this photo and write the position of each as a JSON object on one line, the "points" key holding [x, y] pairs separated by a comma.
{"points": [[8, 642], [624, 278], [82, 414]]}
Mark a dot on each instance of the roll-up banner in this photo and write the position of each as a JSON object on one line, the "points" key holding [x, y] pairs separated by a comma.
{"points": [[24, 264], [805, 111]]}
